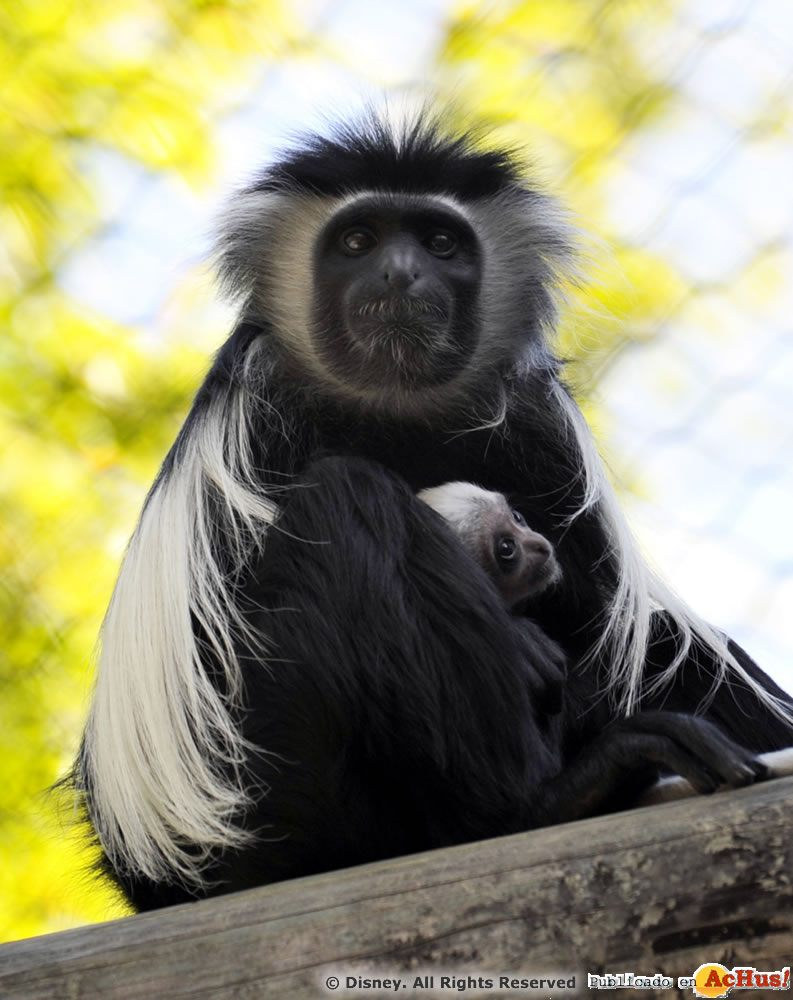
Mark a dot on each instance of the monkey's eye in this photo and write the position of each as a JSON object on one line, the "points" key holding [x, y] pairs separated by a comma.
{"points": [[357, 241], [518, 518], [441, 243], [506, 549]]}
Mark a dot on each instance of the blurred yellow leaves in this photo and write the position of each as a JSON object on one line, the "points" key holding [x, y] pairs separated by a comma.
{"points": [[568, 81], [88, 407], [568, 72]]}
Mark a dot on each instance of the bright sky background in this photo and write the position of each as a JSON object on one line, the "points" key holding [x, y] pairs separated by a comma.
{"points": [[704, 412]]}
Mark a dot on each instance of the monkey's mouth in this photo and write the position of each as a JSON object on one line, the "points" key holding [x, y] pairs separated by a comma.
{"points": [[392, 308], [405, 336], [540, 578]]}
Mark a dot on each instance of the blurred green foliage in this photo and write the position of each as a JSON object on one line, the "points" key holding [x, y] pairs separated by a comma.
{"points": [[87, 409], [569, 81]]}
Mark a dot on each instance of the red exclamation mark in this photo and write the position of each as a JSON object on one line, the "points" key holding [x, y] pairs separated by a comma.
{"points": [[786, 978]]}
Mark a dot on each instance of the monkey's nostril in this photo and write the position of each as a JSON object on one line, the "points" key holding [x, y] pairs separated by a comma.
{"points": [[399, 279]]}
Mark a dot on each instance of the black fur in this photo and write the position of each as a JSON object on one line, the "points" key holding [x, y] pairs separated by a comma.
{"points": [[415, 716], [370, 157], [404, 708], [396, 705]]}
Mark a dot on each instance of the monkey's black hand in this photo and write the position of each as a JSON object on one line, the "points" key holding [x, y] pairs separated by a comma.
{"points": [[623, 760], [778, 764], [682, 744], [546, 668]]}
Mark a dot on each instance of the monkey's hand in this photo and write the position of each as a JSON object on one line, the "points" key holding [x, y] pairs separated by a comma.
{"points": [[779, 764], [546, 668], [683, 744], [629, 754]]}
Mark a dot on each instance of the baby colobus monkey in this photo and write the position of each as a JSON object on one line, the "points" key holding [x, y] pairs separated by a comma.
{"points": [[521, 562]]}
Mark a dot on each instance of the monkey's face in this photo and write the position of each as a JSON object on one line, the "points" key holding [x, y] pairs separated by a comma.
{"points": [[397, 288], [521, 561]]}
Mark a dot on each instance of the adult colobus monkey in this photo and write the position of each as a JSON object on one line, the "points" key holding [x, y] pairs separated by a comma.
{"points": [[299, 670]]}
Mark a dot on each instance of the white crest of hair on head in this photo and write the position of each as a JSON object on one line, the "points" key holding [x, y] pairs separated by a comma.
{"points": [[459, 503]]}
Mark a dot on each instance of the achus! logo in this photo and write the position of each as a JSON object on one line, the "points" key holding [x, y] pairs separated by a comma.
{"points": [[713, 980]]}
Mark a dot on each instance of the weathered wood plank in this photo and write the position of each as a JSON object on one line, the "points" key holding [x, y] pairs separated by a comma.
{"points": [[661, 889]]}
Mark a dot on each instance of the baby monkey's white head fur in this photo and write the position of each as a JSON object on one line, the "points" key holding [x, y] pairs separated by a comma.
{"points": [[521, 562]]}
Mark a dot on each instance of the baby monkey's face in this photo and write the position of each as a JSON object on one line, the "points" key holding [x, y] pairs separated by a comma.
{"points": [[520, 561]]}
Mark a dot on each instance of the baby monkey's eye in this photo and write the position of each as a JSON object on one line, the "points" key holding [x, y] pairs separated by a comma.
{"points": [[506, 548]]}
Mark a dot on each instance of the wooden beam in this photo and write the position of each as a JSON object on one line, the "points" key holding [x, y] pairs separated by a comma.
{"points": [[662, 889]]}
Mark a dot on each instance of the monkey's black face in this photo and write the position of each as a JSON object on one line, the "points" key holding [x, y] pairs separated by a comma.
{"points": [[397, 287]]}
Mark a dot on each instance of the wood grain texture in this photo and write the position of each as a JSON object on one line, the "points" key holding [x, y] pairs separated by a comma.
{"points": [[660, 889]]}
